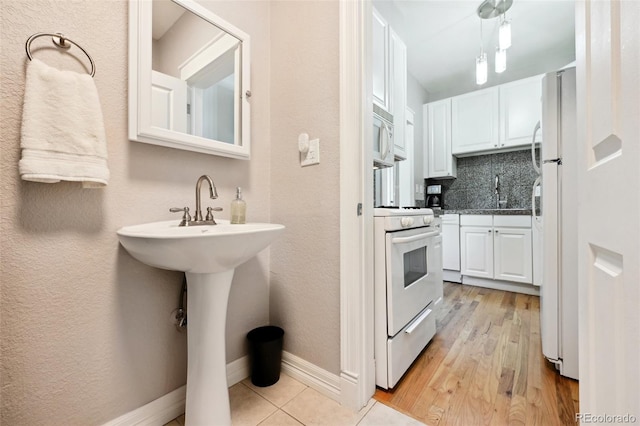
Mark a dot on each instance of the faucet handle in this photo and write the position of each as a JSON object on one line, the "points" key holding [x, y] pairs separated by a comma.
{"points": [[186, 218], [210, 210]]}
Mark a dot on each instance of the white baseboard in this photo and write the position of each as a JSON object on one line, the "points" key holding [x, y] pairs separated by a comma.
{"points": [[451, 276], [311, 375], [170, 406], [155, 413], [238, 370], [502, 285], [349, 391]]}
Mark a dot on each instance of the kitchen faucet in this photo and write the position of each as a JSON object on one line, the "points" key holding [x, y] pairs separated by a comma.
{"points": [[198, 220]]}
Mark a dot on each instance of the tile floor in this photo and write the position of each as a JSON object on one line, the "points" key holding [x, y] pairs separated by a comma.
{"points": [[290, 402]]}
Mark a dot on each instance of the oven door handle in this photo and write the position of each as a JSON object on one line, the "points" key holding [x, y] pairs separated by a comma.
{"points": [[418, 321], [404, 240]]}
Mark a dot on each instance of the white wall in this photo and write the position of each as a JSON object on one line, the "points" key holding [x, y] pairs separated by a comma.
{"points": [[305, 280], [85, 332]]}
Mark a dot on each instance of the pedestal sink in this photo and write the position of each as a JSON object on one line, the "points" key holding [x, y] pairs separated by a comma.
{"points": [[208, 255]]}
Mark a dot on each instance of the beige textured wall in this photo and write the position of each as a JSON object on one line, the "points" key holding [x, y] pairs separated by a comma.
{"points": [[305, 281], [85, 328]]}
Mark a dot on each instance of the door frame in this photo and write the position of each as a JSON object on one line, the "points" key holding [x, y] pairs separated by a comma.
{"points": [[356, 230], [357, 368]]}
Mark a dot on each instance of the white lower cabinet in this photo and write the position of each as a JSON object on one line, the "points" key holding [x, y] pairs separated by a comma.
{"points": [[513, 259], [451, 242], [496, 247], [476, 245]]}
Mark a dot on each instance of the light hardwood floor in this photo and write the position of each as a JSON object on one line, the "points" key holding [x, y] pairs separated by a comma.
{"points": [[485, 366]]}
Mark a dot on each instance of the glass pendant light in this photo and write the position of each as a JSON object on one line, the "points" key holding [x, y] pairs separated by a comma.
{"points": [[481, 63], [504, 33], [481, 68], [491, 9], [500, 60]]}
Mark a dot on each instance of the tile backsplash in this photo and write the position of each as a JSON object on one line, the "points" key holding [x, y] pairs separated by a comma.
{"points": [[474, 186]]}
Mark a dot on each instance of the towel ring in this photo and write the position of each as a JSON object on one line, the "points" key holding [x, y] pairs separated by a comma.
{"points": [[61, 42]]}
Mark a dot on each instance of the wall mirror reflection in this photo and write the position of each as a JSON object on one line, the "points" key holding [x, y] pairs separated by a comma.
{"points": [[190, 70]]}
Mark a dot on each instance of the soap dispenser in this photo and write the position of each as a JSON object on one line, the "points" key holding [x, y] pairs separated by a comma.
{"points": [[238, 208]]}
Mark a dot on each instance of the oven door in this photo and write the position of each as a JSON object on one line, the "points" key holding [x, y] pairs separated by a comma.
{"points": [[414, 266]]}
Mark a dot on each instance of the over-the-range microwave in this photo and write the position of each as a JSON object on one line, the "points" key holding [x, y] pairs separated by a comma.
{"points": [[382, 138]]}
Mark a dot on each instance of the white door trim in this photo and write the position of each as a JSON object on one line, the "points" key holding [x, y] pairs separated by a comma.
{"points": [[357, 370]]}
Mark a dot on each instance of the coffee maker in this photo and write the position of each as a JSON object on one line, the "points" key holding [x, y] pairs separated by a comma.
{"points": [[435, 198]]}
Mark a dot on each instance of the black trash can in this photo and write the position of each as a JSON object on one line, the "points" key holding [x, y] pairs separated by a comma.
{"points": [[265, 352]]}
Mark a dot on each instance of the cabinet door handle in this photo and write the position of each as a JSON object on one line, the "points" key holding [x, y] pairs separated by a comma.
{"points": [[489, 230], [496, 231]]}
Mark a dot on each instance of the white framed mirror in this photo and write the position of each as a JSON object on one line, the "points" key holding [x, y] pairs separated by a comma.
{"points": [[189, 75]]}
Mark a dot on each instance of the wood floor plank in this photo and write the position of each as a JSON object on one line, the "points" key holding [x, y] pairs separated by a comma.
{"points": [[565, 402], [485, 366], [536, 416], [522, 360], [503, 398], [518, 410]]}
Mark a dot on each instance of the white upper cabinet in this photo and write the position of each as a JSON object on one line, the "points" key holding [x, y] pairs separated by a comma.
{"points": [[500, 117], [474, 119], [438, 160], [380, 61], [520, 110], [398, 65], [405, 169]]}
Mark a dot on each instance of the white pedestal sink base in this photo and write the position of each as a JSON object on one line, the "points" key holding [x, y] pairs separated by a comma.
{"points": [[207, 392], [211, 253]]}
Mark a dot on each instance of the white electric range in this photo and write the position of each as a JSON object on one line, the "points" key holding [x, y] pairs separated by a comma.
{"points": [[408, 287]]}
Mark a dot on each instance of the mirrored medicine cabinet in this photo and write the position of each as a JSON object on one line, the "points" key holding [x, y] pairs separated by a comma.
{"points": [[188, 79]]}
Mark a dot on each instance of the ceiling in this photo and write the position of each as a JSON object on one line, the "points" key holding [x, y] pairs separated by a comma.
{"points": [[165, 13], [443, 39]]}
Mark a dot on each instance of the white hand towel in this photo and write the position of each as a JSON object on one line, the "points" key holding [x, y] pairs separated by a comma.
{"points": [[63, 135]]}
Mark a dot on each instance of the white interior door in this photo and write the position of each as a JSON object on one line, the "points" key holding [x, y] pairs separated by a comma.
{"points": [[169, 100], [608, 83]]}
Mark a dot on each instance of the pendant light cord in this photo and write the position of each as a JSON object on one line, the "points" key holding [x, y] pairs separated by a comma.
{"points": [[481, 46]]}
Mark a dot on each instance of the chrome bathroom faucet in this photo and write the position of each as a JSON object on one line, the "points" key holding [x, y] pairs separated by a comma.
{"points": [[198, 220], [213, 194]]}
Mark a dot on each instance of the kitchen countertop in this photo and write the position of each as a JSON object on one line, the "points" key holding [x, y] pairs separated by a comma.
{"points": [[489, 211]]}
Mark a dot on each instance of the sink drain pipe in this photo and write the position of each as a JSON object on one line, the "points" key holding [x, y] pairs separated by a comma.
{"points": [[181, 313]]}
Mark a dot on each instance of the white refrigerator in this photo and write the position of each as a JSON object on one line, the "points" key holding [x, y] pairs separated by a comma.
{"points": [[556, 221]]}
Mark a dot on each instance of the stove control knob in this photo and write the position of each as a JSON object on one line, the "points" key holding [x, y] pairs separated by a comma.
{"points": [[427, 220], [406, 221]]}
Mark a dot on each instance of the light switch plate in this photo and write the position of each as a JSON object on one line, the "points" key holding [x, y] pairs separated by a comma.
{"points": [[313, 155]]}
